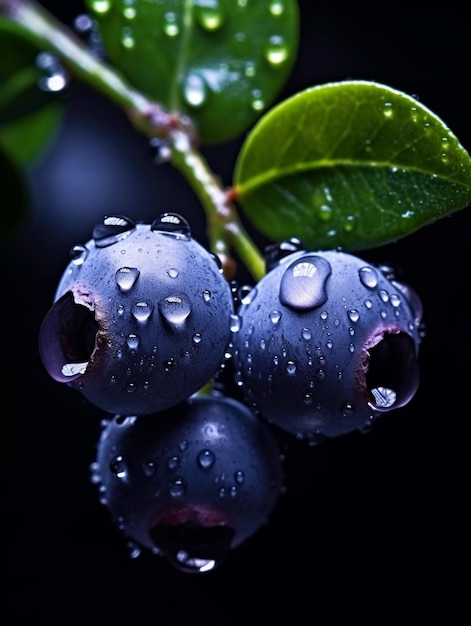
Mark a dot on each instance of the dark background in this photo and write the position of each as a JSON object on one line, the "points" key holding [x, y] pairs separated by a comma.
{"points": [[372, 527]]}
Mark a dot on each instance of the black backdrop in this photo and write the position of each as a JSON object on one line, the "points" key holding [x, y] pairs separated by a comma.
{"points": [[371, 529]]}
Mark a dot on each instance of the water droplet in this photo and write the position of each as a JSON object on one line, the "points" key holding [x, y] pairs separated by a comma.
{"points": [[306, 334], [275, 317], [239, 477], [172, 224], [209, 14], [100, 6], [173, 463], [54, 77], [141, 311], [131, 387], [126, 278], [395, 300], [129, 10], [276, 7], [383, 294], [249, 70], [353, 315], [275, 253], [246, 294], [368, 304], [349, 223], [119, 468], [195, 90], [78, 254], [177, 488], [127, 38], [171, 28], [111, 229], [134, 551], [173, 272], [148, 467], [206, 459], [388, 110], [257, 103], [347, 410], [175, 309], [368, 277], [383, 398], [160, 150], [133, 342], [325, 212], [206, 295], [302, 285], [170, 363], [277, 51], [291, 368], [197, 338], [236, 323]]}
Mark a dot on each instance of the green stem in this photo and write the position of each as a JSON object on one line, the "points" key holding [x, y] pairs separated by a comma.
{"points": [[225, 229]]}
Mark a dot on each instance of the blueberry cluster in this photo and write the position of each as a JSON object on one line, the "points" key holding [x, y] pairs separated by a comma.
{"points": [[145, 326]]}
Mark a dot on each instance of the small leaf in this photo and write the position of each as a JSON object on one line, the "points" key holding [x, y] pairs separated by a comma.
{"points": [[220, 62], [29, 116], [353, 164]]}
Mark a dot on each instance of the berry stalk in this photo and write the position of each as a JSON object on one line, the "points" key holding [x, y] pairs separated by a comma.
{"points": [[225, 230]]}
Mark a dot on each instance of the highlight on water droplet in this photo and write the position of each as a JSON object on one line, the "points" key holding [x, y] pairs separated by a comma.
{"points": [[74, 369]]}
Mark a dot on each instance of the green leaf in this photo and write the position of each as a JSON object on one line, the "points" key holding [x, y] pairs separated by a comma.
{"points": [[353, 164], [29, 116], [220, 62], [15, 196]]}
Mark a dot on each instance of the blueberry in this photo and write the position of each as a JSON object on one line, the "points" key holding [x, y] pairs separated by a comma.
{"points": [[327, 343], [141, 317], [191, 482]]}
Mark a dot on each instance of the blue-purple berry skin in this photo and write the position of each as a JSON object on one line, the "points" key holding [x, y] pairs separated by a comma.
{"points": [[208, 462], [141, 318], [327, 342]]}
